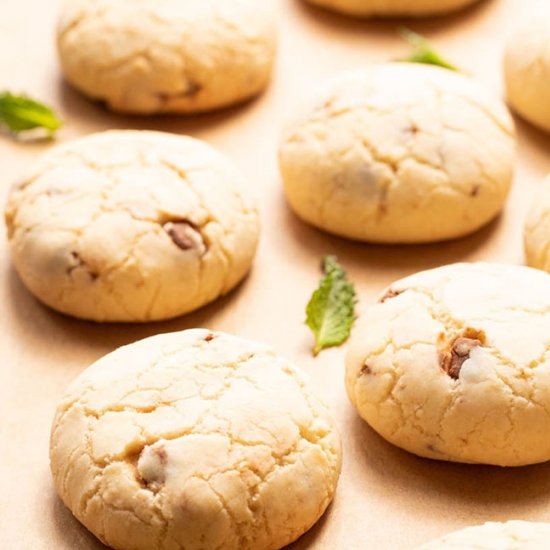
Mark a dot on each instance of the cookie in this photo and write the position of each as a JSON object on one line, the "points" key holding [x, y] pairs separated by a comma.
{"points": [[167, 57], [194, 440], [513, 535], [454, 364], [400, 153], [527, 70], [131, 226], [537, 230], [393, 8]]}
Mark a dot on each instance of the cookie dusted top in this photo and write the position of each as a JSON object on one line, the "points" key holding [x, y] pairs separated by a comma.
{"points": [[131, 226], [194, 440], [454, 364], [399, 152], [155, 56]]}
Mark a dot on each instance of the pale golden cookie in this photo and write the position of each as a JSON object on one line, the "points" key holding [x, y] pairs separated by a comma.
{"points": [[393, 8], [194, 440], [527, 69], [454, 364], [167, 56], [131, 226], [537, 230], [400, 153], [513, 535]]}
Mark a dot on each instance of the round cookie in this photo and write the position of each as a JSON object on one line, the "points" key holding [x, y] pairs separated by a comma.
{"points": [[194, 440], [513, 535], [168, 56], [393, 8], [527, 70], [537, 230], [454, 364], [131, 226], [400, 153]]}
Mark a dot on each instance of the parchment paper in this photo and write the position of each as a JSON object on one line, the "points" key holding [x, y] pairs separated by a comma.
{"points": [[387, 499]]}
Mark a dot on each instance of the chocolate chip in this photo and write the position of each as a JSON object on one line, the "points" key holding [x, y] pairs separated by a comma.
{"points": [[365, 370], [451, 360], [209, 337], [193, 88], [153, 485], [391, 293], [184, 234], [412, 130], [162, 454]]}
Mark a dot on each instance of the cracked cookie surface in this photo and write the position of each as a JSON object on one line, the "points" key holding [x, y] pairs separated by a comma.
{"points": [[393, 8], [400, 153], [527, 68], [155, 56], [194, 441], [454, 364], [131, 226], [537, 230], [513, 535]]}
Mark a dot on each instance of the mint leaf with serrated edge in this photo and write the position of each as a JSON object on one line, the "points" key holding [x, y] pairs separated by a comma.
{"points": [[330, 313], [19, 113], [423, 51]]}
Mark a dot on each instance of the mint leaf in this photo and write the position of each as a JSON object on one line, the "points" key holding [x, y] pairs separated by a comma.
{"points": [[21, 114], [331, 309], [423, 52]]}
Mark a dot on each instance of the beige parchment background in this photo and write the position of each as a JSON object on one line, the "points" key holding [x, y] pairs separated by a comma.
{"points": [[387, 499]]}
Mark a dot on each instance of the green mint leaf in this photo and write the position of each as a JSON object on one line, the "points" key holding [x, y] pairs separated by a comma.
{"points": [[423, 52], [330, 313], [21, 114]]}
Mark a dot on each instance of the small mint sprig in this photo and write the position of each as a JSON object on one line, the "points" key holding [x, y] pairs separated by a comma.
{"points": [[330, 313], [423, 52], [20, 114]]}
